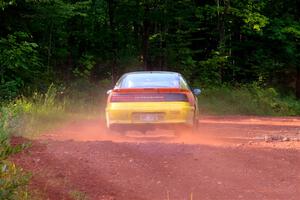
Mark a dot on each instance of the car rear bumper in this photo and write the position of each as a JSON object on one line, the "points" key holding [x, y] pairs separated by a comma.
{"points": [[141, 113], [149, 126]]}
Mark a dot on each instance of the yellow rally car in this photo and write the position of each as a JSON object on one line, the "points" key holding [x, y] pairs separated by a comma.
{"points": [[151, 99]]}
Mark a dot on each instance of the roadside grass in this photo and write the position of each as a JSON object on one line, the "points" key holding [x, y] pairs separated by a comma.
{"points": [[30, 116], [13, 180], [247, 100]]}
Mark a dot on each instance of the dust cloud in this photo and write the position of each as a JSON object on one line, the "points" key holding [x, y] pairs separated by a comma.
{"points": [[213, 131]]}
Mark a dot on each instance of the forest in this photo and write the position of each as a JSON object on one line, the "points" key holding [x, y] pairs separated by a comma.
{"points": [[58, 58], [213, 43]]}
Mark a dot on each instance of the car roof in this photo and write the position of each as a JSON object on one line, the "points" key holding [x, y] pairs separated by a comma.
{"points": [[154, 72]]}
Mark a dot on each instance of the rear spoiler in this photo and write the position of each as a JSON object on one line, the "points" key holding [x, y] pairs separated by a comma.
{"points": [[157, 90], [124, 92]]}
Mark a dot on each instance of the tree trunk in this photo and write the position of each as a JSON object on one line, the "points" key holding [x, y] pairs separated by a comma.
{"points": [[298, 83], [49, 47], [111, 12], [145, 42], [222, 32]]}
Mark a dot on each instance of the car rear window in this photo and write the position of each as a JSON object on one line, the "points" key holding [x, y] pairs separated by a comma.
{"points": [[150, 81]]}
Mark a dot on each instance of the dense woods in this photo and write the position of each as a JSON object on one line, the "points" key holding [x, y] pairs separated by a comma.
{"points": [[211, 42], [57, 58]]}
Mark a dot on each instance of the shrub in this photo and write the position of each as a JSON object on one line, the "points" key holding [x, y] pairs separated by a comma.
{"points": [[13, 180], [23, 116], [83, 96], [20, 64], [247, 99]]}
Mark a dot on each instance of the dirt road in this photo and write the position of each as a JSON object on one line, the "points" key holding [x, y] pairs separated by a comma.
{"points": [[249, 158]]}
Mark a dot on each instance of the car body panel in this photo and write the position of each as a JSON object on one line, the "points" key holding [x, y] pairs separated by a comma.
{"points": [[170, 112]]}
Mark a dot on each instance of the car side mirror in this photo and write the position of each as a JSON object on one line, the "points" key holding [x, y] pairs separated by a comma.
{"points": [[196, 91], [108, 91]]}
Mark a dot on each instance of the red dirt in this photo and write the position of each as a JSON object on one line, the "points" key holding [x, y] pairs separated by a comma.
{"points": [[228, 159]]}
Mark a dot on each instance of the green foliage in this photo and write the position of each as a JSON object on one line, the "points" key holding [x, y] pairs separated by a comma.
{"points": [[9, 89], [41, 112], [211, 42], [13, 180], [210, 69], [6, 3], [249, 100], [85, 97], [251, 14], [29, 116], [6, 150], [87, 64], [19, 64], [9, 120]]}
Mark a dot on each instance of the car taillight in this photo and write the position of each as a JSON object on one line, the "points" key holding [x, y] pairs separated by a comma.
{"points": [[148, 97]]}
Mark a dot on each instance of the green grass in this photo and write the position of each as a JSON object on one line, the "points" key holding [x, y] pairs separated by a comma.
{"points": [[13, 182], [29, 117], [247, 100]]}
